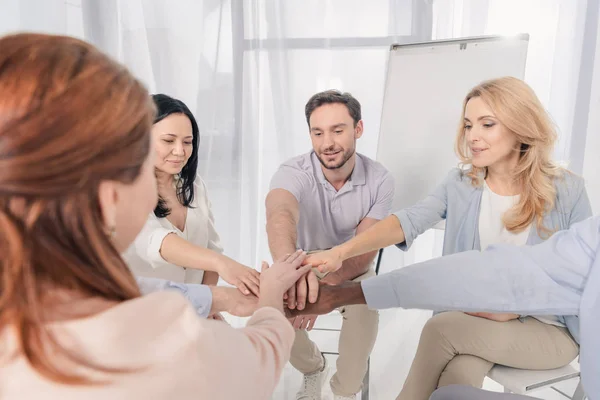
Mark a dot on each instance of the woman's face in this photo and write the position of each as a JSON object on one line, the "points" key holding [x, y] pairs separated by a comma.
{"points": [[489, 140], [134, 202], [173, 143]]}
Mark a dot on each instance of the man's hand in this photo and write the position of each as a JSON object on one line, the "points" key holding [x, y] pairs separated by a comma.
{"points": [[314, 286], [277, 279], [326, 261], [332, 279], [324, 305], [504, 317], [306, 322], [307, 287]]}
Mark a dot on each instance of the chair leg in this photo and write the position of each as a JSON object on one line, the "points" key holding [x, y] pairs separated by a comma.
{"points": [[579, 395], [365, 387]]}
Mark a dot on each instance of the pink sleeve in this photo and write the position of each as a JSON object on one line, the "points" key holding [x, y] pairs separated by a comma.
{"points": [[247, 362], [271, 336]]}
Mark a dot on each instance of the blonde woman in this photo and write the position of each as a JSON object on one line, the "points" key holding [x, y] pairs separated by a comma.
{"points": [[507, 191]]}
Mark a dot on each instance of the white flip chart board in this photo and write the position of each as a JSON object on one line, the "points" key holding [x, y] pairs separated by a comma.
{"points": [[425, 87]]}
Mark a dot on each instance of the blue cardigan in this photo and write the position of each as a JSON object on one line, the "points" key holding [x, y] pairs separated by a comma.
{"points": [[457, 201]]}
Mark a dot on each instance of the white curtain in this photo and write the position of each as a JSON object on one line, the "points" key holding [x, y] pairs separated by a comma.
{"points": [[185, 49], [49, 16], [246, 68], [560, 56]]}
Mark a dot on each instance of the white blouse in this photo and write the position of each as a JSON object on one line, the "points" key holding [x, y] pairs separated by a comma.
{"points": [[143, 256], [492, 229]]}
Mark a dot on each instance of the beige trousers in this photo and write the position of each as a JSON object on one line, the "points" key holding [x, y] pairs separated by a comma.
{"points": [[456, 348], [357, 338]]}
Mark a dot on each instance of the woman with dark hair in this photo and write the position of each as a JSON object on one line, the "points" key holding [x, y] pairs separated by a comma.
{"points": [[76, 186], [179, 241]]}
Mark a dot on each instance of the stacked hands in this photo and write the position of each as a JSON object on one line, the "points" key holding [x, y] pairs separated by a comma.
{"points": [[292, 283], [291, 280]]}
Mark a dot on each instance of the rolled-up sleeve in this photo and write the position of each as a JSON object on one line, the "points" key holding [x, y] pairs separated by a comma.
{"points": [[149, 242], [254, 356]]}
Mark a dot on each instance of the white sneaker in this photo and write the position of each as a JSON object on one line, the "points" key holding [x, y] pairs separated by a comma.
{"points": [[338, 397], [313, 384]]}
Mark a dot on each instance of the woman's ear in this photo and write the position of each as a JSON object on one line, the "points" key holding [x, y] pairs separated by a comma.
{"points": [[107, 196]]}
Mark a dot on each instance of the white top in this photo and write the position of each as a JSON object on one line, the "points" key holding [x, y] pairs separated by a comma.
{"points": [[171, 352], [143, 256], [492, 230]]}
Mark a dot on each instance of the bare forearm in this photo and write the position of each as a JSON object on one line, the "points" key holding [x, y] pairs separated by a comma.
{"points": [[383, 234], [281, 231], [347, 294], [352, 268], [210, 278], [179, 251], [332, 297], [221, 299]]}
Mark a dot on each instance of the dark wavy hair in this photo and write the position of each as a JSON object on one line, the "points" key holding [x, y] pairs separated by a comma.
{"points": [[165, 106]]}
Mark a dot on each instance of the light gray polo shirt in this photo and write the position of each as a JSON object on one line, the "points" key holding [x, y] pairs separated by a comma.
{"points": [[329, 217]]}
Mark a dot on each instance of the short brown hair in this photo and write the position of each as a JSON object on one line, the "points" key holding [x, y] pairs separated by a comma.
{"points": [[331, 97]]}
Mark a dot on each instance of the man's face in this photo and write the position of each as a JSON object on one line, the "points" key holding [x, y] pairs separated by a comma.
{"points": [[333, 134]]}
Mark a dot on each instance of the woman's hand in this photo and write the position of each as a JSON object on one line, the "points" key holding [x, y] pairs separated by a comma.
{"points": [[246, 279], [326, 261], [503, 317], [279, 277], [284, 273]]}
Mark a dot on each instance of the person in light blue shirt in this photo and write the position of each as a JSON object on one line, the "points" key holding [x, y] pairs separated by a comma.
{"points": [[207, 300], [560, 276]]}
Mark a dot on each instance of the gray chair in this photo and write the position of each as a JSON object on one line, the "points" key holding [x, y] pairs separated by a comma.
{"points": [[525, 382]]}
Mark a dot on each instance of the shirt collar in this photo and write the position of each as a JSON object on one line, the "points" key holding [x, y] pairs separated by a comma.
{"points": [[358, 176]]}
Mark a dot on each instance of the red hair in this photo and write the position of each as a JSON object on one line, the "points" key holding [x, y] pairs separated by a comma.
{"points": [[70, 117]]}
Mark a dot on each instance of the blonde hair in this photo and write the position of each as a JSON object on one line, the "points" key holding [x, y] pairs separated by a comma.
{"points": [[517, 107]]}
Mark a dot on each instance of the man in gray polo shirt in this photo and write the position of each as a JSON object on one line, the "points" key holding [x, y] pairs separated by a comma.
{"points": [[319, 200]]}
